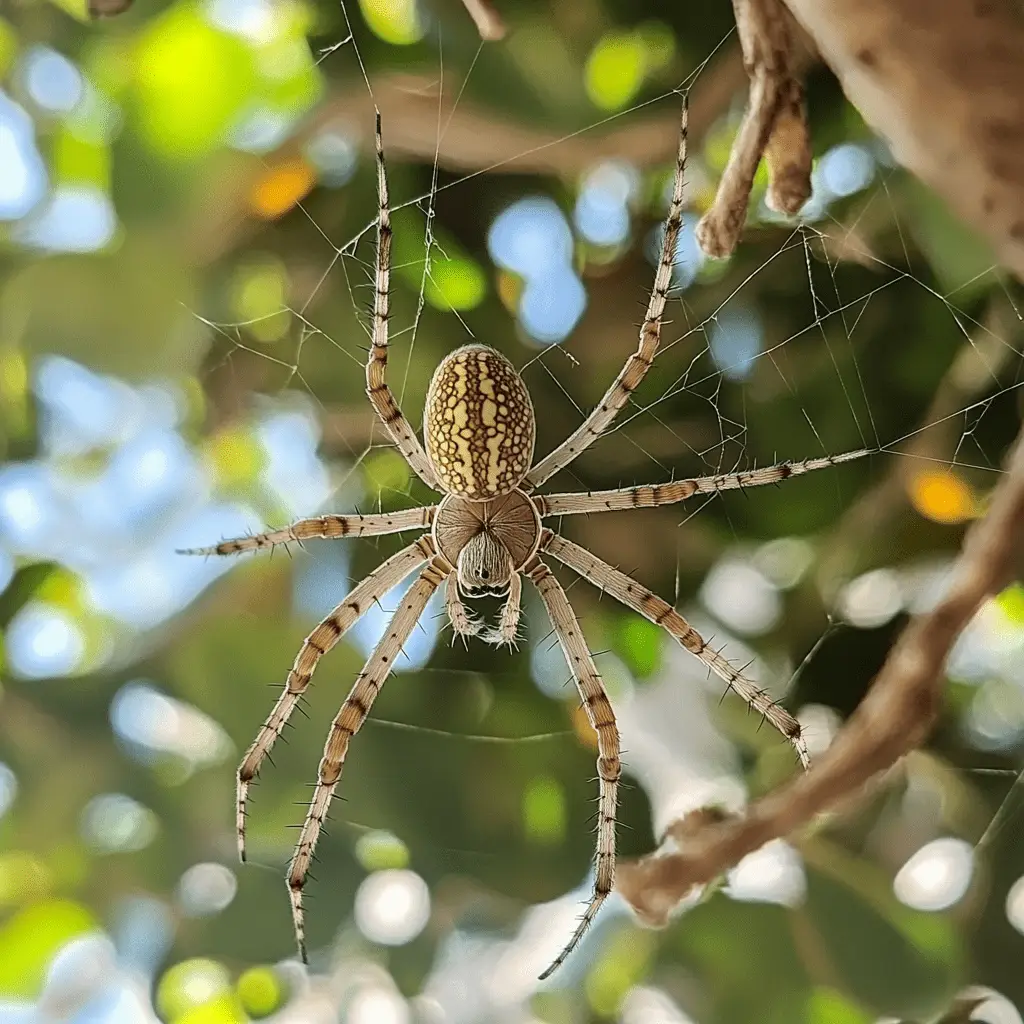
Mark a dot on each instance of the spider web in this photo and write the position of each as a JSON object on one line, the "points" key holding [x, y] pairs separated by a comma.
{"points": [[736, 383]]}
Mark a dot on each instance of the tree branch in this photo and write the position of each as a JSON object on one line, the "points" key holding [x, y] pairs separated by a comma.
{"points": [[944, 85], [774, 126], [894, 718], [462, 136]]}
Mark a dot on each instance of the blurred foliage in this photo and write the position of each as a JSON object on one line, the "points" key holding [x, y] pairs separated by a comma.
{"points": [[230, 140]]}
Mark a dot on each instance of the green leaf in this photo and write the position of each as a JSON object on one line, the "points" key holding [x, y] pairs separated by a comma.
{"points": [[960, 258], [826, 1006], [192, 82], [639, 644], [114, 315], [747, 960], [891, 959]]}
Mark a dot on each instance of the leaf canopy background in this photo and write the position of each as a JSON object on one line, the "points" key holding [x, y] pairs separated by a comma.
{"points": [[187, 229]]}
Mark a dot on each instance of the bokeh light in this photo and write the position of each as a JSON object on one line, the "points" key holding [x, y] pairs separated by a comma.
{"points": [[736, 340], [114, 823], [44, 641], [735, 592], [872, 599], [602, 207], [937, 876], [378, 1005], [53, 82], [551, 306], [187, 192], [532, 239], [378, 850], [646, 1005], [772, 874], [23, 176], [8, 788], [151, 723], [846, 169], [392, 907], [206, 889]]}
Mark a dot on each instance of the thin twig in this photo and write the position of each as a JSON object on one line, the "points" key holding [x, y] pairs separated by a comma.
{"points": [[487, 20], [894, 718], [774, 126]]}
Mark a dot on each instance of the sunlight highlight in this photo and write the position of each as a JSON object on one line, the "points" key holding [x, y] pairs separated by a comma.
{"points": [[872, 599], [206, 889], [937, 876], [44, 641], [1015, 905], [115, 823], [942, 496], [375, 1004], [772, 874], [399, 22], [282, 188], [392, 907]]}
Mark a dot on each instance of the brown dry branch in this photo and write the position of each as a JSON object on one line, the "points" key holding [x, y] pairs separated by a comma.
{"points": [[463, 136], [893, 719], [944, 85], [774, 126]]}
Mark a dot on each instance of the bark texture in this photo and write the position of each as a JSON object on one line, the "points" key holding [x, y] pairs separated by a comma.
{"points": [[943, 82]]}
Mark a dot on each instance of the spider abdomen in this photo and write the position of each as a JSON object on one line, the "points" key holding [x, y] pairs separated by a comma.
{"points": [[478, 424]]}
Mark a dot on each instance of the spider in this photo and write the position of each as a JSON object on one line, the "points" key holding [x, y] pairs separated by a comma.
{"points": [[483, 537]]}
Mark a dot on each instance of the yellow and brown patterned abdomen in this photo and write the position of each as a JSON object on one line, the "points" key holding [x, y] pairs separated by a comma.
{"points": [[478, 424]]}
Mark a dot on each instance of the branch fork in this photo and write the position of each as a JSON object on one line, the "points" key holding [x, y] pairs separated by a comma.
{"points": [[774, 126]]}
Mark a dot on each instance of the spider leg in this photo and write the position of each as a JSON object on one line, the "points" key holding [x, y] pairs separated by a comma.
{"points": [[602, 718], [625, 589], [381, 397], [346, 724], [463, 623], [508, 624], [639, 362], [329, 526], [386, 576], [648, 495]]}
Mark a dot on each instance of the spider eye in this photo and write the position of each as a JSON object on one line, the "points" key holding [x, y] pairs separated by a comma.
{"points": [[495, 591]]}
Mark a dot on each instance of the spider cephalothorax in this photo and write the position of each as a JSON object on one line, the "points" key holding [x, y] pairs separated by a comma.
{"points": [[484, 536], [487, 541]]}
